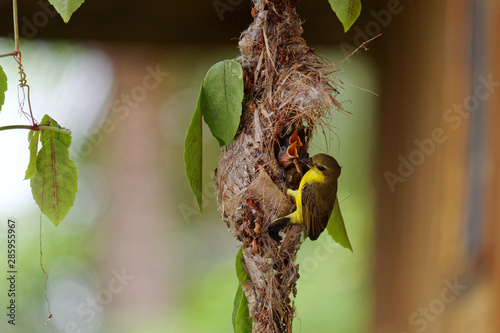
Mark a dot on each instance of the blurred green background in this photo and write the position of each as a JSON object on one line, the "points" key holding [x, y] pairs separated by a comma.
{"points": [[134, 214], [134, 255]]}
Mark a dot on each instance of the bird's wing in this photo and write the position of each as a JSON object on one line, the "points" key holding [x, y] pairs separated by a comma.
{"points": [[316, 213]]}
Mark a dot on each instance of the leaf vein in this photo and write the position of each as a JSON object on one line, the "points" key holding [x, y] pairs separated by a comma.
{"points": [[54, 174]]}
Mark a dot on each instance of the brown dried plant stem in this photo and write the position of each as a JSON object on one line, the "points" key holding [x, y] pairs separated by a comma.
{"points": [[287, 88]]}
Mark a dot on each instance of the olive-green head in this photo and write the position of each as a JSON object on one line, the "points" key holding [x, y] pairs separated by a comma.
{"points": [[325, 164]]}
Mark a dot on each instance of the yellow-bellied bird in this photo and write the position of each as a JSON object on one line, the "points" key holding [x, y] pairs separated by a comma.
{"points": [[314, 198]]}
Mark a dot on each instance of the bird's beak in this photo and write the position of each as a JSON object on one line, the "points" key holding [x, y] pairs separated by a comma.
{"points": [[306, 160], [295, 138]]}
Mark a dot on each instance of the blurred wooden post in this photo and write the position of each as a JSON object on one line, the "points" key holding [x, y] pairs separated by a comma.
{"points": [[136, 228], [492, 230], [424, 55]]}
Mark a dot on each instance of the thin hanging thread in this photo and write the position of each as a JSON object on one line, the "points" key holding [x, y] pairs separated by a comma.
{"points": [[44, 274]]}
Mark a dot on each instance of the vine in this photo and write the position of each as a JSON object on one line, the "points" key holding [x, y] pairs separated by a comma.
{"points": [[50, 177], [53, 175]]}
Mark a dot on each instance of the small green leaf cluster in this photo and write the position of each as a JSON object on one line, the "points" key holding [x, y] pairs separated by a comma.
{"points": [[219, 102], [54, 177], [347, 10]]}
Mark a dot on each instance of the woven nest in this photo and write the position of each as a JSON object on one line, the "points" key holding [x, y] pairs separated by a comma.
{"points": [[287, 88]]}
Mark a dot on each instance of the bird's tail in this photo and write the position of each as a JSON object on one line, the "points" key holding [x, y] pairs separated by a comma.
{"points": [[276, 226]]}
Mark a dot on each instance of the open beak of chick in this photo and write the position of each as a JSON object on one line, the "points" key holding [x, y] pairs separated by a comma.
{"points": [[289, 152]]}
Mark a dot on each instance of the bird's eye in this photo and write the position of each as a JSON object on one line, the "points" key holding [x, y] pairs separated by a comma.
{"points": [[320, 168]]}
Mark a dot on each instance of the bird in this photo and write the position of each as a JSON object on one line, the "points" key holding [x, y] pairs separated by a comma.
{"points": [[314, 198]]}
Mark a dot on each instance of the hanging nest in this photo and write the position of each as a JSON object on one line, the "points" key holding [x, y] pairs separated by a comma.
{"points": [[287, 88]]}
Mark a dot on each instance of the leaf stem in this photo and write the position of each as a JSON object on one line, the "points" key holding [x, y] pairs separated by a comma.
{"points": [[54, 129], [36, 128], [4, 128]]}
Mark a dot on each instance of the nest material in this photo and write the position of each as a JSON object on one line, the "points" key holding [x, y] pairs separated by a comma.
{"points": [[287, 88]]}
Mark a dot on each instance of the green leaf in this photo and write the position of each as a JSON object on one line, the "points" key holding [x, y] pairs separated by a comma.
{"points": [[219, 103], [66, 8], [242, 322], [193, 155], [55, 183], [3, 87], [221, 96], [236, 304], [240, 270], [33, 138], [336, 227], [347, 11]]}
